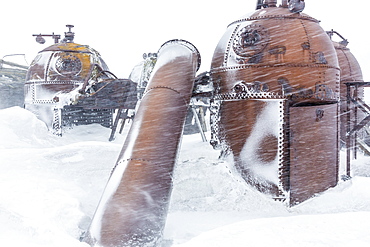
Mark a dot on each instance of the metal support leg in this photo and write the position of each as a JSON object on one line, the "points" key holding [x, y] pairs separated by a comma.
{"points": [[114, 127], [348, 129], [355, 96], [199, 124]]}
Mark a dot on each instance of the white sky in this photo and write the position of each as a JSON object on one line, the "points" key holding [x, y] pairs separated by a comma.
{"points": [[123, 30]]}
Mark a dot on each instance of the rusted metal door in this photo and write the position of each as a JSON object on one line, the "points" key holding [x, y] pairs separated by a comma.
{"points": [[314, 158]]}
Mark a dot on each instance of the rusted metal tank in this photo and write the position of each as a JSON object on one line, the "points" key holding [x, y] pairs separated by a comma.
{"points": [[350, 68], [271, 69], [62, 67], [70, 84], [350, 72], [133, 208]]}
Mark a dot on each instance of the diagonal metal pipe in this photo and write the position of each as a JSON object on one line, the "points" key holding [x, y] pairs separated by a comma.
{"points": [[133, 208]]}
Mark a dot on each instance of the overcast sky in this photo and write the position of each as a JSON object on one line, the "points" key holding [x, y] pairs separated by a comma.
{"points": [[123, 30]]}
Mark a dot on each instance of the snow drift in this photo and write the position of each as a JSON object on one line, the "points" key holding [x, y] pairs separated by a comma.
{"points": [[50, 187]]}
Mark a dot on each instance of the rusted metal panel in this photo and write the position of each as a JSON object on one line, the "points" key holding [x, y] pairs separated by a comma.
{"points": [[313, 150], [252, 129]]}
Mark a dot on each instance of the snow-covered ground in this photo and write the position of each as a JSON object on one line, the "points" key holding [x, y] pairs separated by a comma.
{"points": [[50, 187]]}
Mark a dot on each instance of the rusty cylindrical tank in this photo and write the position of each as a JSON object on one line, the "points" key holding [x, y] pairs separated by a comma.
{"points": [[350, 72], [61, 67], [133, 208], [266, 64]]}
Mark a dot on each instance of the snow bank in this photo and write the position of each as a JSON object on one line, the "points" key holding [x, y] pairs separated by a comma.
{"points": [[213, 207], [347, 229], [50, 187]]}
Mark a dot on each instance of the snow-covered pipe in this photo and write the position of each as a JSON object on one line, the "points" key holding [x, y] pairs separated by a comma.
{"points": [[133, 208]]}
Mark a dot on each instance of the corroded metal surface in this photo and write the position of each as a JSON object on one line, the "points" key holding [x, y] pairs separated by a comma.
{"points": [[314, 158], [132, 211], [350, 68], [254, 134], [63, 62], [279, 50]]}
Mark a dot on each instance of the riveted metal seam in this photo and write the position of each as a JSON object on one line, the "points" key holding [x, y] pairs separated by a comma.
{"points": [[52, 82], [244, 66], [229, 44], [274, 17], [236, 96], [165, 87], [348, 63]]}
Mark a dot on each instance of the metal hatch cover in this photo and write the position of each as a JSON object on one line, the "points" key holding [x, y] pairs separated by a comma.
{"points": [[313, 137]]}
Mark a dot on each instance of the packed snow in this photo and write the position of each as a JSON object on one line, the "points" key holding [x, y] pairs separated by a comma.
{"points": [[50, 187]]}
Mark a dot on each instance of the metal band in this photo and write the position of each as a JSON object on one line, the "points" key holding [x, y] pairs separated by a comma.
{"points": [[282, 17], [52, 82], [282, 149], [165, 87], [43, 101], [289, 65], [247, 95]]}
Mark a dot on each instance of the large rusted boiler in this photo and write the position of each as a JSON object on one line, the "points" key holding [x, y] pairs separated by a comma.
{"points": [[276, 76]]}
